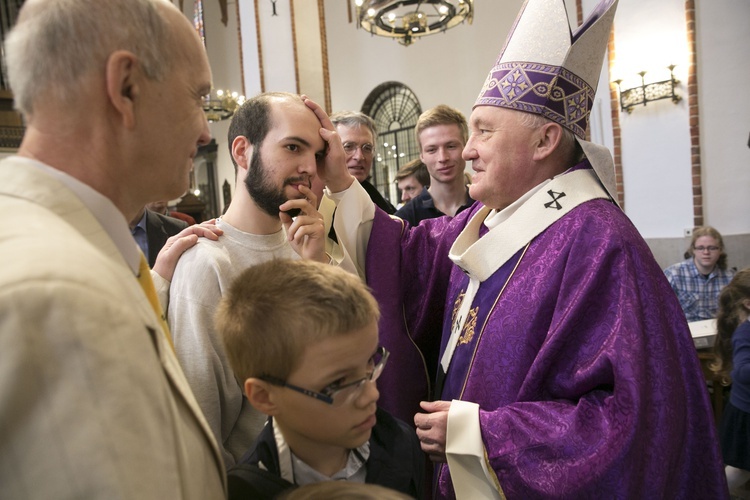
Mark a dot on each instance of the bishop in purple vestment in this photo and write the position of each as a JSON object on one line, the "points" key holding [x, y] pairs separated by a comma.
{"points": [[564, 367]]}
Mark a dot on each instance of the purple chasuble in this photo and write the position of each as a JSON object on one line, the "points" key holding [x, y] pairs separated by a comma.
{"points": [[585, 373], [411, 296], [453, 382]]}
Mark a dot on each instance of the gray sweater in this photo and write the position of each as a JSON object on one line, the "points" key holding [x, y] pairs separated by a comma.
{"points": [[202, 275]]}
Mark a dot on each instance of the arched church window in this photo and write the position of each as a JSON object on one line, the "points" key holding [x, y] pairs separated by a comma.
{"points": [[395, 109]]}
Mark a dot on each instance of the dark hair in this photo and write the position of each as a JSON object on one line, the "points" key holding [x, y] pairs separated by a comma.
{"points": [[416, 168], [253, 119], [728, 319], [713, 233]]}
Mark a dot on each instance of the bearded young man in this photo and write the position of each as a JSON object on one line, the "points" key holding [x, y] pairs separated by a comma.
{"points": [[275, 145]]}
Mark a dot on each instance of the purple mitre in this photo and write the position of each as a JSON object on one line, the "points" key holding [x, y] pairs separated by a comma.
{"points": [[550, 91], [547, 70]]}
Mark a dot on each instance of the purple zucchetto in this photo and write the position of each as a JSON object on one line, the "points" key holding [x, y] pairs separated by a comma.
{"points": [[546, 70]]}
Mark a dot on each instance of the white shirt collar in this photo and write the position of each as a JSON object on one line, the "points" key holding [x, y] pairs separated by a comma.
{"points": [[295, 470], [106, 213]]}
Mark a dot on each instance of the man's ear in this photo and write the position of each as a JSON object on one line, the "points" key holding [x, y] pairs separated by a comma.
{"points": [[123, 85], [242, 152], [260, 394], [549, 136]]}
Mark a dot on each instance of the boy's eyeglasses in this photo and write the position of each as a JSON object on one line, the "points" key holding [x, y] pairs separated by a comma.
{"points": [[338, 394]]}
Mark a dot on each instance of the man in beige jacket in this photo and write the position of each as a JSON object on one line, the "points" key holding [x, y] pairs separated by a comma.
{"points": [[93, 403]]}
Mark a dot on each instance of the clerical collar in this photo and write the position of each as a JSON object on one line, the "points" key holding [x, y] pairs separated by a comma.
{"points": [[495, 217]]}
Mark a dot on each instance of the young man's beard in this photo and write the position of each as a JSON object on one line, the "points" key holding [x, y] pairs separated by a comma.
{"points": [[261, 189]]}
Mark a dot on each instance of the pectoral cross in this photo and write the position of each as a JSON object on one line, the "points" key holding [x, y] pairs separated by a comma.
{"points": [[458, 325], [555, 197]]}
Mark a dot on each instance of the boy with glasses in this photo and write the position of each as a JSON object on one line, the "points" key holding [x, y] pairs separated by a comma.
{"points": [[302, 339]]}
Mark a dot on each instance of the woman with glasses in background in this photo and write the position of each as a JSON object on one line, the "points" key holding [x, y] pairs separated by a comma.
{"points": [[699, 279]]}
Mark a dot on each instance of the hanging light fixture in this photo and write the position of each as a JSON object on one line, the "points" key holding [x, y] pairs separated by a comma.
{"points": [[406, 20], [221, 104], [217, 104]]}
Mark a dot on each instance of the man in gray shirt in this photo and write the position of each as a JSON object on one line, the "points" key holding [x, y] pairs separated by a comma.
{"points": [[275, 144]]}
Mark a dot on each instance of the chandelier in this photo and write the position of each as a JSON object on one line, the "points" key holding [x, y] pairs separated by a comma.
{"points": [[406, 20], [217, 104], [221, 104]]}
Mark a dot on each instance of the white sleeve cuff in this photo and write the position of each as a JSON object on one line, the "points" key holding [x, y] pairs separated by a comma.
{"points": [[354, 213], [466, 456]]}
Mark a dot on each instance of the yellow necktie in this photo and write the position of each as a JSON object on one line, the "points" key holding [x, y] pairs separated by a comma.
{"points": [[144, 279]]}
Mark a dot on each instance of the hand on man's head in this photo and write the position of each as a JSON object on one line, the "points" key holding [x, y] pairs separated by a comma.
{"points": [[331, 169]]}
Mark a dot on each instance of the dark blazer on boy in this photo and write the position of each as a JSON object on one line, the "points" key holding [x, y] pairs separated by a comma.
{"points": [[396, 461]]}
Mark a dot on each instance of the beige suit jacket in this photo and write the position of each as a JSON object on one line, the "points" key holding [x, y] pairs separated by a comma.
{"points": [[93, 403]]}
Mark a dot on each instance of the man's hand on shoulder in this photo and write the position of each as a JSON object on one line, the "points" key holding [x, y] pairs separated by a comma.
{"points": [[176, 245]]}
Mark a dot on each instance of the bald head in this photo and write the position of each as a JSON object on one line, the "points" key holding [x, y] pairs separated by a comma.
{"points": [[112, 94], [56, 43]]}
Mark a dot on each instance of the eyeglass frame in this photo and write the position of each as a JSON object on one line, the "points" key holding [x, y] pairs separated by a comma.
{"points": [[377, 370], [353, 146], [710, 248]]}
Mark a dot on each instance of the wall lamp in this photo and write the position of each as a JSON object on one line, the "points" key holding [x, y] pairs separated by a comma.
{"points": [[645, 93]]}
